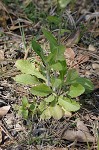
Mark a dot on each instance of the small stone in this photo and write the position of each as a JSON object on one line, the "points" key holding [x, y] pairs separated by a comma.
{"points": [[91, 48], [95, 66]]}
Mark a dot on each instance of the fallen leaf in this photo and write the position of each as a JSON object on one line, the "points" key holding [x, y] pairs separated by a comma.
{"points": [[83, 132], [70, 135], [69, 54], [4, 110], [82, 135], [82, 58]]}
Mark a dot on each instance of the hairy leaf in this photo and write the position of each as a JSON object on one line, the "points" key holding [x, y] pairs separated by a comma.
{"points": [[64, 70], [76, 90], [24, 102], [37, 48], [25, 66], [57, 66], [46, 114], [25, 113], [60, 52], [56, 83], [42, 106], [49, 36], [41, 90], [49, 98], [68, 104], [26, 79], [51, 58], [72, 75], [56, 112], [86, 83], [32, 107]]}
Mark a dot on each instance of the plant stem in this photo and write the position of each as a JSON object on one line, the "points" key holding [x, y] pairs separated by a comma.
{"points": [[60, 27], [48, 77]]}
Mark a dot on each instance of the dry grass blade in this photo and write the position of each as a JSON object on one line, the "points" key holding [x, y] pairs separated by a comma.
{"points": [[0, 135]]}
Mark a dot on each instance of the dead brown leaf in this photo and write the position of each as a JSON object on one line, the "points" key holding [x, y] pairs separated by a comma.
{"points": [[69, 54], [82, 135], [74, 61], [4, 110], [83, 132], [82, 58]]}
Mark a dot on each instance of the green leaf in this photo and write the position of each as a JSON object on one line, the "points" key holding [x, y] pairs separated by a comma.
{"points": [[56, 112], [42, 106], [53, 48], [60, 52], [57, 53], [86, 83], [65, 31], [41, 90], [76, 90], [32, 107], [49, 98], [26, 79], [57, 83], [46, 114], [63, 71], [25, 113], [68, 104], [57, 66], [24, 102], [72, 75], [49, 37], [53, 19], [25, 66], [37, 48], [51, 58], [64, 3]]}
